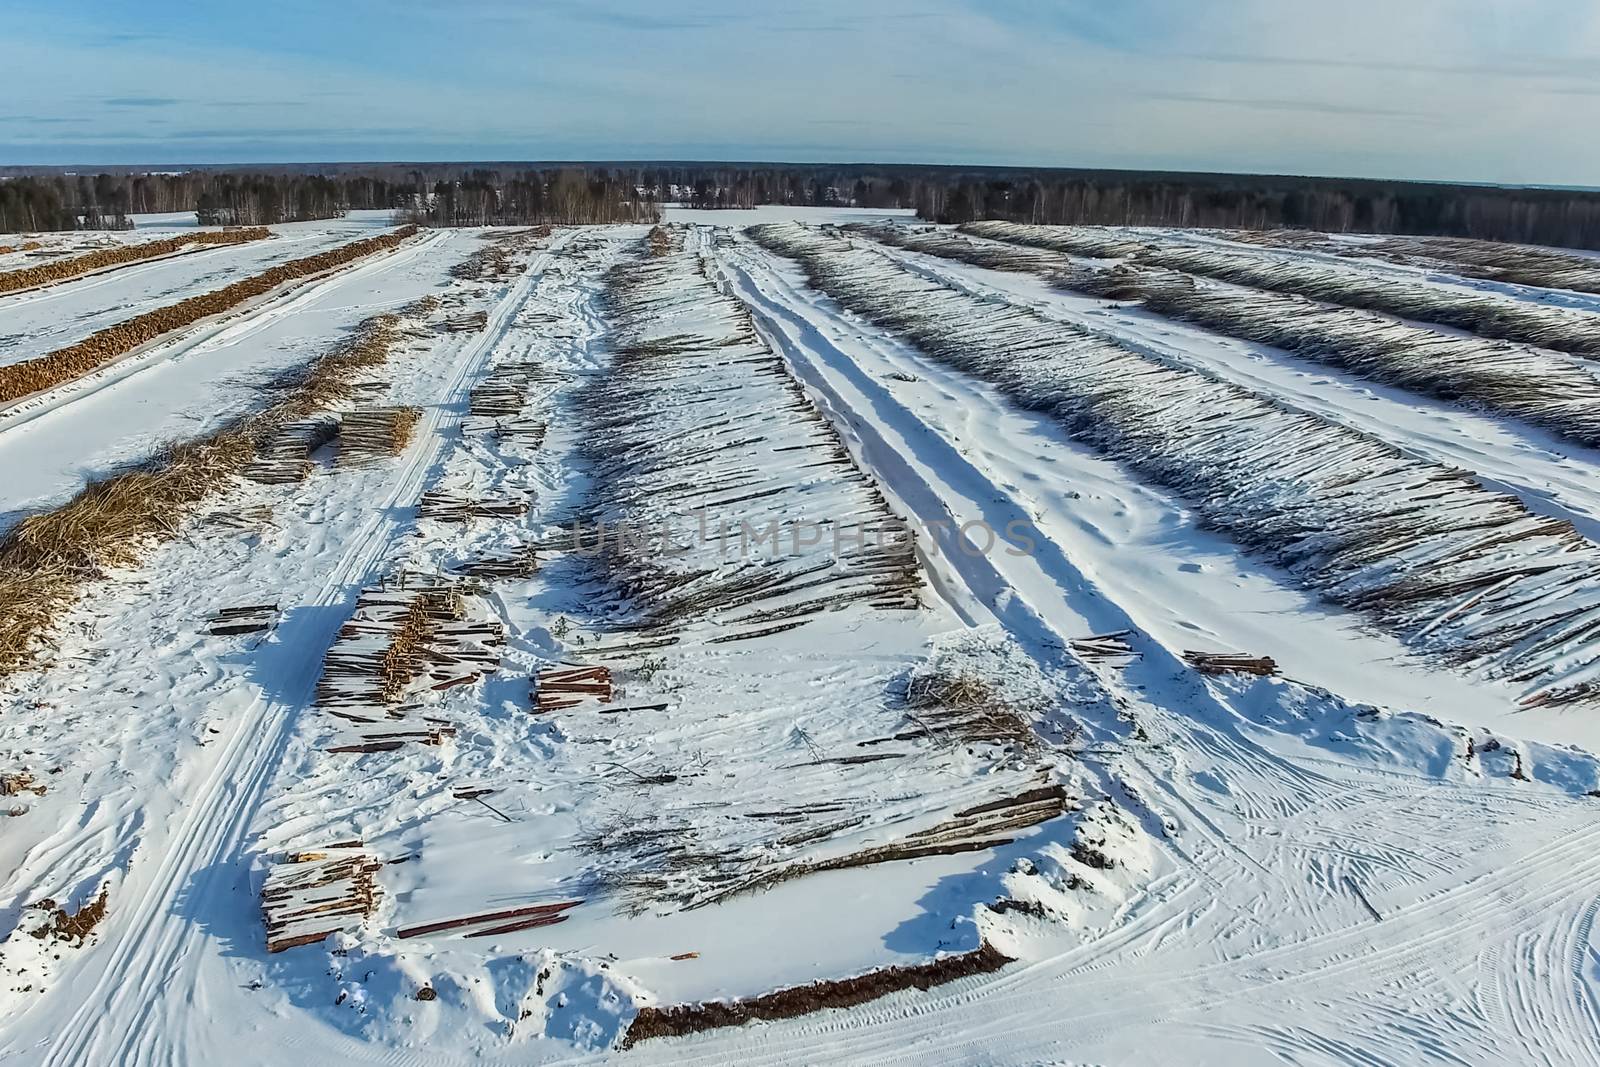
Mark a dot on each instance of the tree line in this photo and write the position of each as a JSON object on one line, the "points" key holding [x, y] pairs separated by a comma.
{"points": [[568, 195], [528, 194]]}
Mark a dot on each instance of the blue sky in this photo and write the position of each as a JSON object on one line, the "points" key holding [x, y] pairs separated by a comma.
{"points": [[1477, 90]]}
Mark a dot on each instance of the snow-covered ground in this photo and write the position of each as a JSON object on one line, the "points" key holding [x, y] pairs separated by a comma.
{"points": [[811, 763]]}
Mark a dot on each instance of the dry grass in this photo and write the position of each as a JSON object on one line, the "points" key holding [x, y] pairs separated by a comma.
{"points": [[95, 351], [46, 559], [20, 782], [100, 259], [73, 927]]}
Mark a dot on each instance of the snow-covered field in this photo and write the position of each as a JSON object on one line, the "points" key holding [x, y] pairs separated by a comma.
{"points": [[752, 608]]}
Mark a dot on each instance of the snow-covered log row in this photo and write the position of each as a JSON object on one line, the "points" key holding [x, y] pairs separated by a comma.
{"points": [[760, 522], [1425, 550], [1489, 316], [1515, 381], [1544, 268], [105, 258], [19, 380], [735, 491]]}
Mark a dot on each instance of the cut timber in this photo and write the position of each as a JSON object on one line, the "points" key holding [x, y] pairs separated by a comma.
{"points": [[533, 914], [406, 634], [246, 619], [1104, 646], [473, 322], [988, 825], [803, 1000], [285, 457], [313, 894], [443, 505], [509, 563], [1230, 663], [387, 739], [567, 687], [372, 434]]}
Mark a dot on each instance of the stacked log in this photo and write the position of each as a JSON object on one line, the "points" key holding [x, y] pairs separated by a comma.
{"points": [[443, 505], [285, 458], [244, 619], [375, 433], [1231, 663], [313, 894], [567, 687]]}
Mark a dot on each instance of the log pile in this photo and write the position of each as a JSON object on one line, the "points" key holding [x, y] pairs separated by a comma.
{"points": [[64, 364], [559, 688], [102, 258], [316, 893], [1231, 663], [493, 261], [245, 619], [285, 457], [989, 825], [390, 738], [1104, 646], [443, 505], [410, 633], [494, 923], [500, 395], [375, 433], [472, 322], [512, 563]]}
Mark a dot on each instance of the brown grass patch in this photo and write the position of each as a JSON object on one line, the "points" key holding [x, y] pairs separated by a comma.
{"points": [[818, 996], [73, 926]]}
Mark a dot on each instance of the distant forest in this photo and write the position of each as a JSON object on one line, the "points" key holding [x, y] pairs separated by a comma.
{"points": [[519, 194]]}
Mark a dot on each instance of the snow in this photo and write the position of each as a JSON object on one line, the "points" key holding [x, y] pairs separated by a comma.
{"points": [[1368, 857]]}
